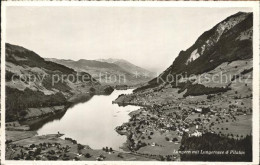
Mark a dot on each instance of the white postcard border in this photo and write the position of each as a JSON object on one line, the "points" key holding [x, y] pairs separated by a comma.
{"points": [[254, 5]]}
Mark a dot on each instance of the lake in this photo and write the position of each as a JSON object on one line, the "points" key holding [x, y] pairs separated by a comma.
{"points": [[93, 122]]}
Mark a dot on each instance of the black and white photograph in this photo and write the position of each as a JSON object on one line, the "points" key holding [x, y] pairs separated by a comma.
{"points": [[130, 83]]}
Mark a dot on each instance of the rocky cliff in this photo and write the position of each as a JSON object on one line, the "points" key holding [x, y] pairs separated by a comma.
{"points": [[228, 41]]}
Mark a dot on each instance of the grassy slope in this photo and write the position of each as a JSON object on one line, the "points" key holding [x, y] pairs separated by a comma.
{"points": [[21, 95]]}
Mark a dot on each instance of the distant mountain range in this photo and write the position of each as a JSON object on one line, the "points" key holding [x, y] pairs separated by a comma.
{"points": [[109, 71], [129, 67]]}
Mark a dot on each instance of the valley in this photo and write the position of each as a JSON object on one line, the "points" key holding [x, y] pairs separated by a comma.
{"points": [[41, 92], [199, 108]]}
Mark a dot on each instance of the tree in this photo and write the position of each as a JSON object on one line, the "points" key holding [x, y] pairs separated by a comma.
{"points": [[92, 90], [175, 139], [80, 147], [120, 155], [37, 151], [161, 158], [23, 113], [22, 153], [87, 155]]}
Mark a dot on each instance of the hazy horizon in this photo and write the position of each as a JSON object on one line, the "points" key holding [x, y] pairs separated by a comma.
{"points": [[147, 37]]}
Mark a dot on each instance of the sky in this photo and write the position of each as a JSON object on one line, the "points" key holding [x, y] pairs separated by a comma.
{"points": [[149, 37]]}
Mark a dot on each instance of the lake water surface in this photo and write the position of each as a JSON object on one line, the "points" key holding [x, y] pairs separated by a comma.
{"points": [[93, 123]]}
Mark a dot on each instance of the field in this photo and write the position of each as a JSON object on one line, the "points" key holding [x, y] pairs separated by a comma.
{"points": [[52, 147], [240, 128]]}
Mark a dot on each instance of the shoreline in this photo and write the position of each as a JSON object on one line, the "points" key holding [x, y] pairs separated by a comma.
{"points": [[15, 135], [39, 115], [44, 146], [172, 122]]}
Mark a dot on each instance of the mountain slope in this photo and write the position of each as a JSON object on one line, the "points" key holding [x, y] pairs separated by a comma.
{"points": [[113, 73], [203, 100], [32, 82], [228, 41]]}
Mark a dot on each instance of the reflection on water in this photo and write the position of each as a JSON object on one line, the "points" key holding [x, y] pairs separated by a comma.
{"points": [[93, 123], [40, 122]]}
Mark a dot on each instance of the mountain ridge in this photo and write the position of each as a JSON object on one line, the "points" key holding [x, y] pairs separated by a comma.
{"points": [[128, 66], [103, 69], [215, 52], [206, 101], [33, 83]]}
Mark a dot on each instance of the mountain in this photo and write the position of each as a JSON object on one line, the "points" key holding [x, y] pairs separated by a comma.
{"points": [[228, 41], [203, 100], [32, 82], [113, 72], [127, 66]]}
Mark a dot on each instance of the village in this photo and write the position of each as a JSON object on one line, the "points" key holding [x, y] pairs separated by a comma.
{"points": [[157, 128], [154, 131]]}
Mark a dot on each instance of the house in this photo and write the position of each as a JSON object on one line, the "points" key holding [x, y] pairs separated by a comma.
{"points": [[196, 133], [198, 109], [186, 130]]}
